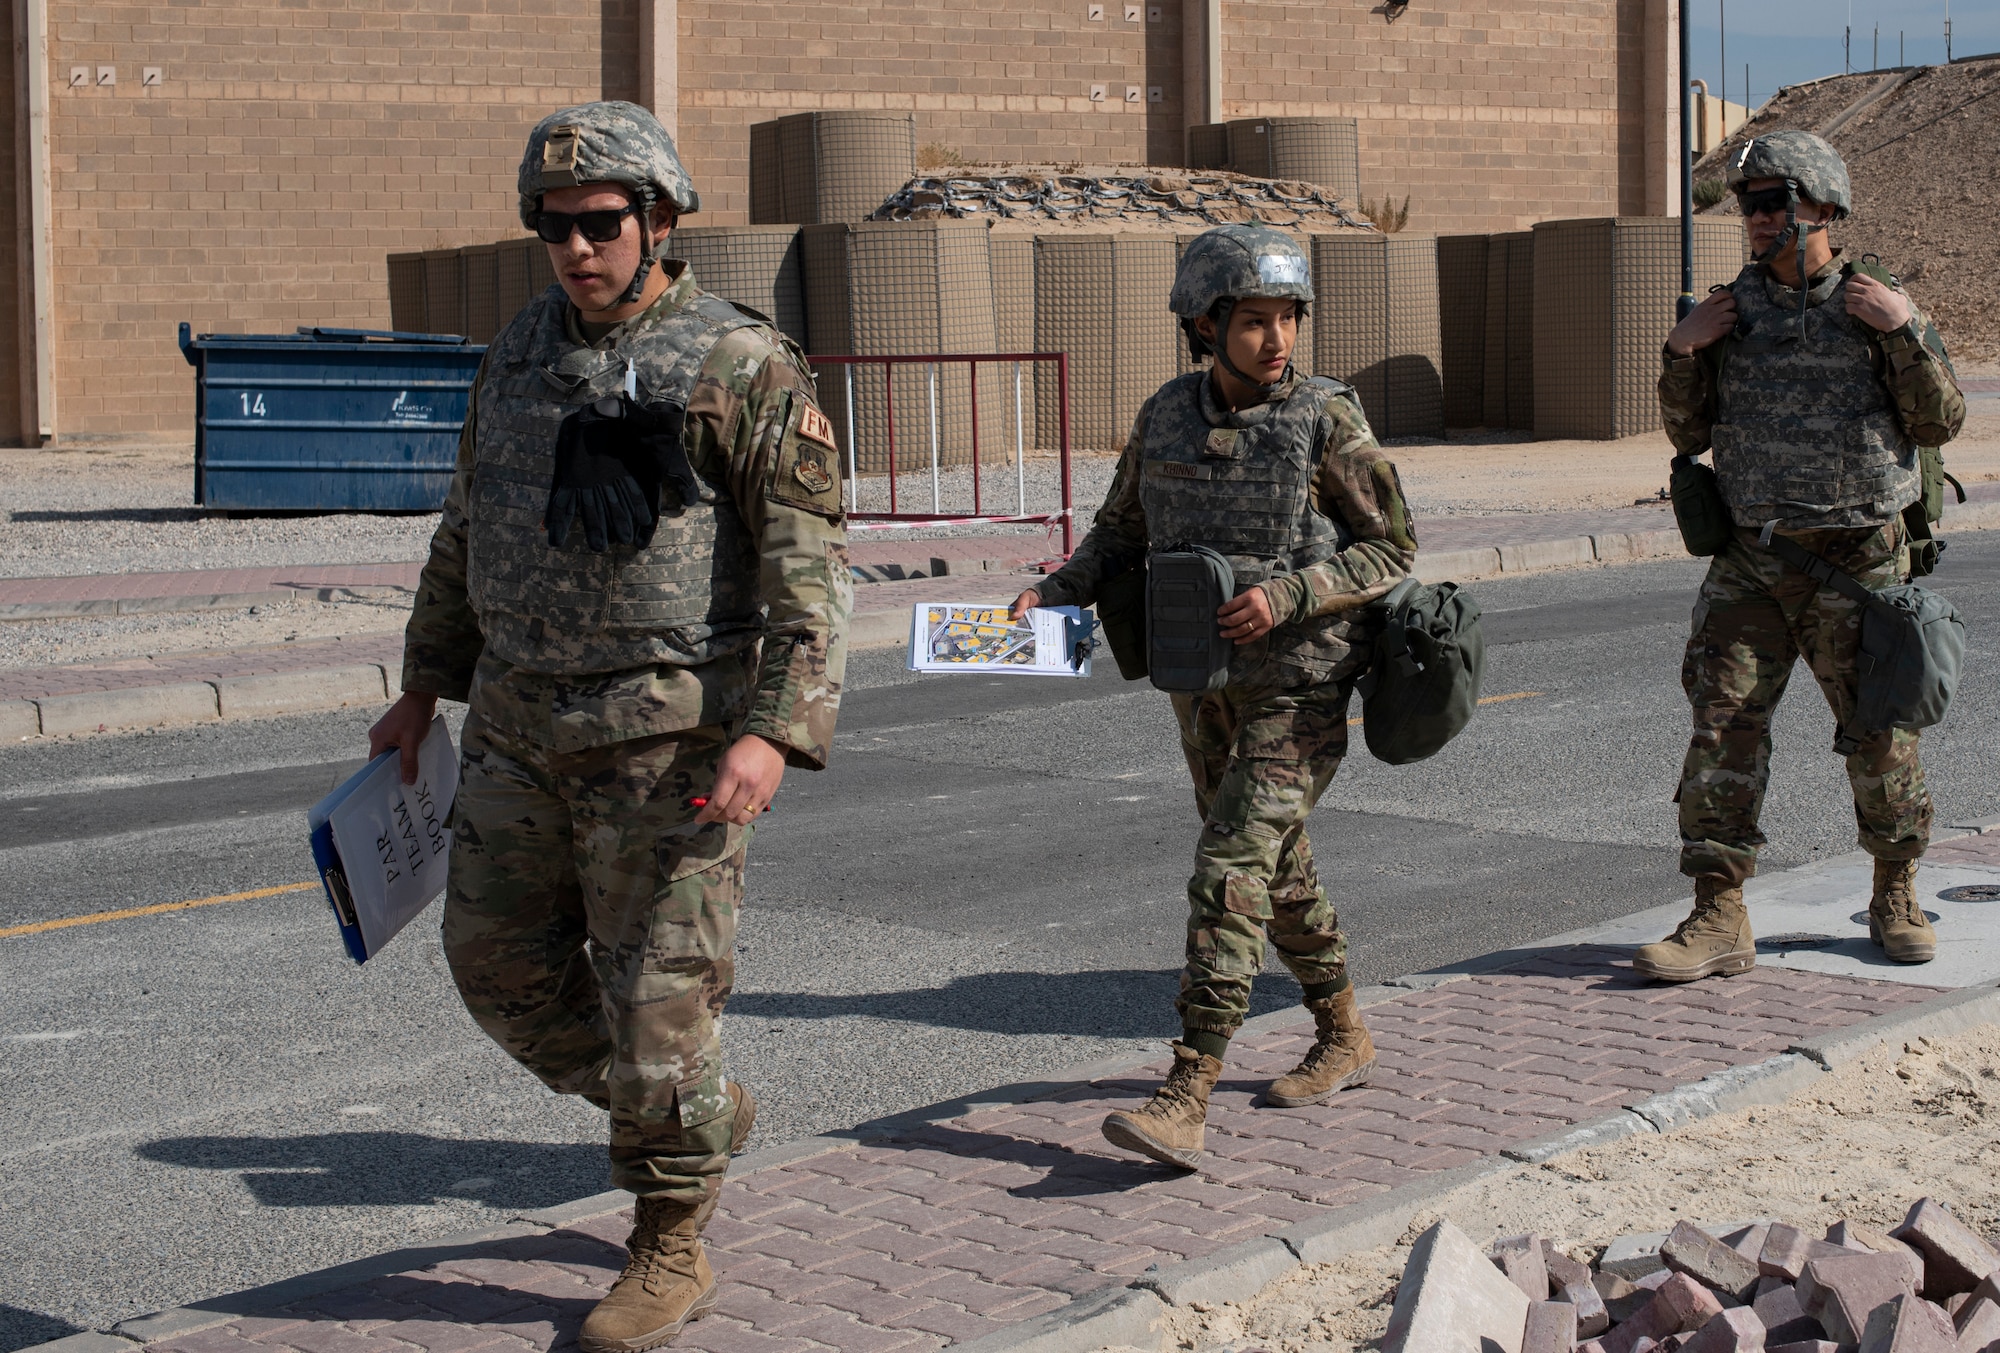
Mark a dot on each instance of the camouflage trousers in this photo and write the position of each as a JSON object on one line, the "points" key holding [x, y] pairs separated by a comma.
{"points": [[592, 936], [1755, 617], [1260, 761]]}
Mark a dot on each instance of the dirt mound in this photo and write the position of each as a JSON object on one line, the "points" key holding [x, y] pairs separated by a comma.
{"points": [[1925, 161], [1127, 198]]}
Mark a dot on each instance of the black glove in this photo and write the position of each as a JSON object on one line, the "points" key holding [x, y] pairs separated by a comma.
{"points": [[611, 457]]}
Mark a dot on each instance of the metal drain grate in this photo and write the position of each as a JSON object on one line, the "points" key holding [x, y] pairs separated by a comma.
{"points": [[1799, 940], [1972, 892]]}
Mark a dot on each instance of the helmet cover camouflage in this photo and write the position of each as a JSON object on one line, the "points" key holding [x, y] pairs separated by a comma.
{"points": [[1237, 262], [1803, 158], [609, 142]]}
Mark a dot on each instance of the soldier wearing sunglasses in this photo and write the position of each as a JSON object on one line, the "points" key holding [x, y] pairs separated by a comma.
{"points": [[639, 586], [1815, 405]]}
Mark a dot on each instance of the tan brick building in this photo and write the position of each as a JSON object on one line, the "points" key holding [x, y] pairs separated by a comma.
{"points": [[247, 166]]}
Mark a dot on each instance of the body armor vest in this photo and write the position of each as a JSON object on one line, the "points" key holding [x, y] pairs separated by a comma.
{"points": [[1803, 424], [1243, 488], [690, 596]]}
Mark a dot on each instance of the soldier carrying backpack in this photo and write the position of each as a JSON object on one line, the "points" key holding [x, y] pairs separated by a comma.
{"points": [[1824, 394]]}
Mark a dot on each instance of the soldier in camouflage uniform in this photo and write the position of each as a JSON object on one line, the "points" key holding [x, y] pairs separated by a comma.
{"points": [[1281, 474], [1815, 436], [640, 588]]}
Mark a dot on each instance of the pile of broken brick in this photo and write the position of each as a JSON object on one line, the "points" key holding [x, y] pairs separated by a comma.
{"points": [[1932, 1285]]}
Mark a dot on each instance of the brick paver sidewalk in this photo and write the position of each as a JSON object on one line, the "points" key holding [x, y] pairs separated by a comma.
{"points": [[961, 1228]]}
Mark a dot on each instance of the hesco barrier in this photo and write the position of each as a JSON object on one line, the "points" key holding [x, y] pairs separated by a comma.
{"points": [[1462, 327], [1103, 300], [1597, 337], [883, 288], [757, 266], [1509, 384], [1375, 326], [472, 291], [1013, 263], [825, 168], [1208, 146], [1324, 151]]}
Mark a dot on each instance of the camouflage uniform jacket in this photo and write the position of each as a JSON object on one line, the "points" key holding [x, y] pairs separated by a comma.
{"points": [[750, 431], [1354, 485], [1892, 377]]}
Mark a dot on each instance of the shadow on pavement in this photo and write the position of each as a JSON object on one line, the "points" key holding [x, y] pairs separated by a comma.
{"points": [[390, 1169], [24, 1329], [1122, 1003]]}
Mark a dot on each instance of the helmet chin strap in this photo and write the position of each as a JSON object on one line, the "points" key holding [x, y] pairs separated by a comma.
{"points": [[639, 274]]}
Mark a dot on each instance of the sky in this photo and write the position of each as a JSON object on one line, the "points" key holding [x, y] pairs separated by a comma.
{"points": [[1787, 41]]}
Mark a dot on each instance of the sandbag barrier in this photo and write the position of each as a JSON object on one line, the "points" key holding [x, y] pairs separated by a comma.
{"points": [[1171, 200]]}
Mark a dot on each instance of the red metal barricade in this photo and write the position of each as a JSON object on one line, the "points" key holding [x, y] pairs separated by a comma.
{"points": [[855, 383]]}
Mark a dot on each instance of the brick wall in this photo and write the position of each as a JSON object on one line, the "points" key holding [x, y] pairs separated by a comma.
{"points": [[1489, 114], [292, 144], [17, 378], [288, 149], [1005, 80]]}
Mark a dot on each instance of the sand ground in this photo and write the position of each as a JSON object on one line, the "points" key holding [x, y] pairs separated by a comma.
{"points": [[1910, 1120]]}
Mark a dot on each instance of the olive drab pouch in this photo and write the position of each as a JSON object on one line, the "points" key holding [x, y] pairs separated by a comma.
{"points": [[1912, 646], [1185, 650], [1925, 548], [1422, 686], [1121, 611], [1698, 507]]}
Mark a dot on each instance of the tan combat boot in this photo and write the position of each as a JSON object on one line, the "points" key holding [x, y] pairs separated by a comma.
{"points": [[1715, 938], [666, 1283], [1895, 920], [743, 1105], [1170, 1128], [1343, 1055]]}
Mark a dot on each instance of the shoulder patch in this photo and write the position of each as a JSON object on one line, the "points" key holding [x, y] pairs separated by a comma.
{"points": [[816, 427]]}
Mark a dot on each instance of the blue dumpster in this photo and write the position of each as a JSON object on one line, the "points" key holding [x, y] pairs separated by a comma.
{"points": [[343, 420]]}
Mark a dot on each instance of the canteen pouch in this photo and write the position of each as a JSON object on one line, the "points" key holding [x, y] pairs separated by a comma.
{"points": [[1912, 650], [1185, 650], [1121, 612], [1698, 507], [1422, 687], [1912, 646]]}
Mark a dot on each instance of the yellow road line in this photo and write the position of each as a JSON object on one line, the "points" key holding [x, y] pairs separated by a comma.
{"points": [[1484, 700], [127, 913]]}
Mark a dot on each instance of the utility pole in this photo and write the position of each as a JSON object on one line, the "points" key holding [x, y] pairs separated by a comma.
{"points": [[1722, 37], [1947, 32], [1875, 58], [1687, 167]]}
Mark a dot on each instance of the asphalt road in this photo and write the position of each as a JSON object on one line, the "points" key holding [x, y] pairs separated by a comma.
{"points": [[985, 887]]}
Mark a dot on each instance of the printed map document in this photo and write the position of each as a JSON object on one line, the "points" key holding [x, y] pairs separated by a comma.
{"points": [[958, 636], [381, 845]]}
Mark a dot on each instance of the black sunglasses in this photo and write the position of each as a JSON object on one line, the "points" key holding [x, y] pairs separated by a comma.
{"points": [[1764, 200], [599, 227]]}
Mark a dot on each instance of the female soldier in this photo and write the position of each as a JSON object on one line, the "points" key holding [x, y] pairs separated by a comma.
{"points": [[1278, 473]]}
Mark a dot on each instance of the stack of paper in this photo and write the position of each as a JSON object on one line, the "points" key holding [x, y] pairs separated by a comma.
{"points": [[382, 846], [950, 636]]}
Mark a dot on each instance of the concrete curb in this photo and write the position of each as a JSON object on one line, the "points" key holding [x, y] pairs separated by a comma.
{"points": [[1120, 1318], [1624, 1123], [184, 702], [1230, 1274], [1740, 1087], [1380, 1220], [1948, 1014], [107, 607]]}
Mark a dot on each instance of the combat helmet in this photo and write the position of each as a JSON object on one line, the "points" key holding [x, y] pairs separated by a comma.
{"points": [[607, 142], [1809, 164], [1233, 263]]}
